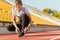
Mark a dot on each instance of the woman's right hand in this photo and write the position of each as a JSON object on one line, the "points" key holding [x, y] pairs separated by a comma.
{"points": [[17, 29]]}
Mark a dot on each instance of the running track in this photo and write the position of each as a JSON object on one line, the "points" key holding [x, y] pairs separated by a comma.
{"points": [[49, 35]]}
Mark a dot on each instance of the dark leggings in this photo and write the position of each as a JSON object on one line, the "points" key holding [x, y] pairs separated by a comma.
{"points": [[19, 25]]}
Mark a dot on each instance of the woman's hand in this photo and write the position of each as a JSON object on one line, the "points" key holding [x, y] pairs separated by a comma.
{"points": [[17, 29], [26, 29]]}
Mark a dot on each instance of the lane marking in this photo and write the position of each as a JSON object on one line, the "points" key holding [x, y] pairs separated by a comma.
{"points": [[55, 38]]}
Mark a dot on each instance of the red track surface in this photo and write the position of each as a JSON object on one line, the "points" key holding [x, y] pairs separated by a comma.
{"points": [[50, 35]]}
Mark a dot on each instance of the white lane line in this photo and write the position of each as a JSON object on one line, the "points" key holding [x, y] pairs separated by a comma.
{"points": [[55, 38]]}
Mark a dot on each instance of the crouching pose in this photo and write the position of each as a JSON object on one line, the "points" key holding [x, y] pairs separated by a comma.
{"points": [[24, 19]]}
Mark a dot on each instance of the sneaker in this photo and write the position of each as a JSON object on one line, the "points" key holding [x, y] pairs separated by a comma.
{"points": [[21, 34]]}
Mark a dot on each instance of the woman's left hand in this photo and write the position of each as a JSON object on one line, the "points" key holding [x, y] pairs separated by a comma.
{"points": [[26, 29]]}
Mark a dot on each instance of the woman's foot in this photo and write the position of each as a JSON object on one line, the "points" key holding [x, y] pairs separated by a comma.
{"points": [[21, 34]]}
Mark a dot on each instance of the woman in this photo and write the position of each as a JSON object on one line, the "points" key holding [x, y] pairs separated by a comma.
{"points": [[24, 19]]}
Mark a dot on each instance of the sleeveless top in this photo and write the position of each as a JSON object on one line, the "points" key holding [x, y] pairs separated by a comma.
{"points": [[19, 14]]}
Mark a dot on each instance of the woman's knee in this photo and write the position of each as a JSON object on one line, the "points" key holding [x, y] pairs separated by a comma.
{"points": [[11, 28]]}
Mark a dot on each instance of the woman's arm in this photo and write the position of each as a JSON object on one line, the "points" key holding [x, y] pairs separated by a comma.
{"points": [[14, 16], [30, 20], [28, 14], [14, 20], [14, 23], [26, 29]]}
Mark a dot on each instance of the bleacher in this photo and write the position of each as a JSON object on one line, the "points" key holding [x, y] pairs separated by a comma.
{"points": [[5, 12], [5, 16]]}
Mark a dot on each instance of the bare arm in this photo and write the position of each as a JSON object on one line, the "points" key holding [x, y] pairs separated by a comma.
{"points": [[26, 29], [28, 14], [14, 20], [30, 20], [14, 16], [14, 23]]}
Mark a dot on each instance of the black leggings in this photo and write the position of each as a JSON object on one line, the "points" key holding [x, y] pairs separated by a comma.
{"points": [[19, 25]]}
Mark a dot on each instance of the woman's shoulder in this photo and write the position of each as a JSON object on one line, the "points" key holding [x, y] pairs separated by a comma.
{"points": [[13, 10], [25, 9], [14, 7]]}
